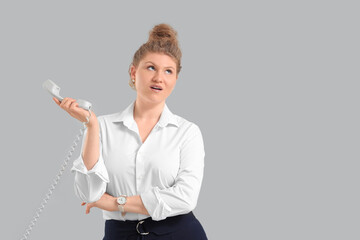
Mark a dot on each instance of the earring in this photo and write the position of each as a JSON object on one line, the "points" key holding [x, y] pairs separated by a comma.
{"points": [[133, 80]]}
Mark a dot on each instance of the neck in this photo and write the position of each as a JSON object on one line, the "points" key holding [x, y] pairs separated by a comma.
{"points": [[147, 111]]}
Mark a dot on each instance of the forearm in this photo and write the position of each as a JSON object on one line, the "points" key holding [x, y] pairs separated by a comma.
{"points": [[109, 203], [91, 149]]}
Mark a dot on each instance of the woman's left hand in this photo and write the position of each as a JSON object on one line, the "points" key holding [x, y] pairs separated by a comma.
{"points": [[106, 202]]}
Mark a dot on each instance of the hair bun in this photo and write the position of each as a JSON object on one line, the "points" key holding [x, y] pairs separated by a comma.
{"points": [[163, 32]]}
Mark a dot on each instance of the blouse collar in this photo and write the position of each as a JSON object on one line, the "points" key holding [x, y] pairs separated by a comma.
{"points": [[127, 117]]}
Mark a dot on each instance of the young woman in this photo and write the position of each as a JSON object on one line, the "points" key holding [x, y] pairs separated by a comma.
{"points": [[143, 166]]}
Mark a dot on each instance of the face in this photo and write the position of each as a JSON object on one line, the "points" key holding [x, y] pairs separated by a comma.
{"points": [[155, 70]]}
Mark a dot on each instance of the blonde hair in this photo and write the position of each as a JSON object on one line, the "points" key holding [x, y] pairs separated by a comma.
{"points": [[162, 39]]}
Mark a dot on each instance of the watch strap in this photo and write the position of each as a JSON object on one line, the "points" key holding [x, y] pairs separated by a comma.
{"points": [[121, 207]]}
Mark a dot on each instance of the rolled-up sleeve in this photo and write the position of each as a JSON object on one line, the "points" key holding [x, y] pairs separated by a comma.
{"points": [[182, 197], [90, 185]]}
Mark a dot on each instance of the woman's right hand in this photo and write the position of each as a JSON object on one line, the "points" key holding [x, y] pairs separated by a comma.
{"points": [[72, 107]]}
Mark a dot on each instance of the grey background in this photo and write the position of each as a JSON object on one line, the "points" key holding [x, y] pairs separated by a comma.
{"points": [[273, 86]]}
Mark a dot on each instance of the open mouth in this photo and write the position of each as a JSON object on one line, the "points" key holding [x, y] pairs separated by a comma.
{"points": [[156, 88]]}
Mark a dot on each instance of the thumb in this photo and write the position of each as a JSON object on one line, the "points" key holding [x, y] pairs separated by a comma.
{"points": [[56, 101], [88, 207]]}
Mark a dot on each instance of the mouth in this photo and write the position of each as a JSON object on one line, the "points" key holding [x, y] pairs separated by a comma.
{"points": [[156, 88]]}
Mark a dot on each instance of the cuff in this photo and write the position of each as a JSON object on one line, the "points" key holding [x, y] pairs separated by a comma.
{"points": [[154, 204], [99, 169]]}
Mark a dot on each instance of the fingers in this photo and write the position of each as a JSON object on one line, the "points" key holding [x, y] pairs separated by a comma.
{"points": [[72, 107], [69, 105], [67, 102], [56, 101], [88, 206]]}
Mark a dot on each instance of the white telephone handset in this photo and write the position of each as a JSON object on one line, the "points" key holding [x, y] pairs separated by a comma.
{"points": [[54, 90]]}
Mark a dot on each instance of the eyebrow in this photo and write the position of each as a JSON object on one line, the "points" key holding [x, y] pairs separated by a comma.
{"points": [[155, 64]]}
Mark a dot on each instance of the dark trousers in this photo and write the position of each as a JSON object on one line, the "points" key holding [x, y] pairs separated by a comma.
{"points": [[182, 227]]}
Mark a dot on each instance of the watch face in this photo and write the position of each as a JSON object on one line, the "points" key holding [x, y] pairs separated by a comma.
{"points": [[121, 200]]}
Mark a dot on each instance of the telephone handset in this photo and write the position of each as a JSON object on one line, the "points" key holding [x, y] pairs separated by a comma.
{"points": [[54, 90]]}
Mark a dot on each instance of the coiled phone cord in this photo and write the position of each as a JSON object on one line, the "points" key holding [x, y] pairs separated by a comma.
{"points": [[56, 180]]}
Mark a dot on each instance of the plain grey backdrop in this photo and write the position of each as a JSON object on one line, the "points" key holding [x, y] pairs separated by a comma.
{"points": [[273, 85]]}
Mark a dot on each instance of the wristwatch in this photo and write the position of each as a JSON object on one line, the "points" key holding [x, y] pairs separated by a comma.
{"points": [[121, 201]]}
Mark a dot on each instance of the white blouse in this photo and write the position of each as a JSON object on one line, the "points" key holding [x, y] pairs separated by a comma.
{"points": [[166, 170]]}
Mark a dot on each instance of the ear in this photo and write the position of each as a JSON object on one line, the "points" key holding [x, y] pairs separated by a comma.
{"points": [[132, 72]]}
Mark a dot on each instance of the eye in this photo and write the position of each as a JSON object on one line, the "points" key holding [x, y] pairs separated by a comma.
{"points": [[150, 67], [169, 71]]}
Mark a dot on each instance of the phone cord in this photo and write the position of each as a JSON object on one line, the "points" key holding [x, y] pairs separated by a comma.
{"points": [[56, 180]]}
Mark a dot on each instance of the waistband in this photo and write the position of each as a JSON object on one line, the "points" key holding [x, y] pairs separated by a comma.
{"points": [[147, 225]]}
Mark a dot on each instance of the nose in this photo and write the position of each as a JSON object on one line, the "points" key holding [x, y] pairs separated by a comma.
{"points": [[158, 77]]}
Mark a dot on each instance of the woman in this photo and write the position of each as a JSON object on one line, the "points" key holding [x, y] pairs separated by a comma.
{"points": [[144, 166]]}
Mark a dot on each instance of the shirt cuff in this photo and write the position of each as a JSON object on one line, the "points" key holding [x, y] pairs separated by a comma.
{"points": [[155, 206], [99, 169]]}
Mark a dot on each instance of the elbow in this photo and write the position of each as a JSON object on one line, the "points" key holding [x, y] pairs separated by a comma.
{"points": [[80, 194], [94, 198], [190, 199], [190, 205]]}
